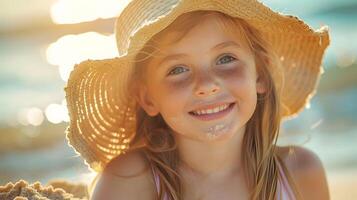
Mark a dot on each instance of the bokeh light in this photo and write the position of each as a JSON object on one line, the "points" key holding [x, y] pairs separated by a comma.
{"points": [[22, 117], [345, 59], [35, 116], [30, 116], [55, 113]]}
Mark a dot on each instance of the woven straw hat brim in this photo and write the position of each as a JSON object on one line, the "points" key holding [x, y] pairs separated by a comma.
{"points": [[102, 116]]}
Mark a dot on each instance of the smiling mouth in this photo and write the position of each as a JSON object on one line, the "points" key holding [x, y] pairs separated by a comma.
{"points": [[213, 110], [212, 114]]}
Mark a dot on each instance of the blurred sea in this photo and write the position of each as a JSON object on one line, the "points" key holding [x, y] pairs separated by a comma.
{"points": [[27, 79]]}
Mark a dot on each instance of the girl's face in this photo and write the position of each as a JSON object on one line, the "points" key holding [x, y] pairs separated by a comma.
{"points": [[207, 68]]}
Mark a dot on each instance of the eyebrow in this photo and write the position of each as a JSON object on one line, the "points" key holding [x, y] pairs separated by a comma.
{"points": [[225, 44], [216, 47]]}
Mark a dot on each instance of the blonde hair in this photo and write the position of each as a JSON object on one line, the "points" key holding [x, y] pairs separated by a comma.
{"points": [[259, 157]]}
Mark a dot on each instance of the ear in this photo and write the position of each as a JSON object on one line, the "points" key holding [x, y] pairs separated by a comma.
{"points": [[260, 85], [146, 102]]}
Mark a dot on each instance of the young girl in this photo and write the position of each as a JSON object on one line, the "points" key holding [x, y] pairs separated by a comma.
{"points": [[192, 107]]}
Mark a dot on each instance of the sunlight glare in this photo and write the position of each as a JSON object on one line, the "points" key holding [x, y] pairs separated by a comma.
{"points": [[72, 12], [87, 177], [72, 49], [308, 105]]}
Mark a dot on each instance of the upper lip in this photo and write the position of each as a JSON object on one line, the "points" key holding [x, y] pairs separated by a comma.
{"points": [[210, 106]]}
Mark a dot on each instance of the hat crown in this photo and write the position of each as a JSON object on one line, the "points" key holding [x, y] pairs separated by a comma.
{"points": [[137, 14]]}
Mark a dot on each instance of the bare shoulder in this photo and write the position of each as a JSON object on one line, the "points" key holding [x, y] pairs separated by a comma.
{"points": [[126, 176], [129, 165], [308, 171]]}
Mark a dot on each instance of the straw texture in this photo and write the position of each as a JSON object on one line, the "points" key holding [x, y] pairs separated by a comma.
{"points": [[102, 114]]}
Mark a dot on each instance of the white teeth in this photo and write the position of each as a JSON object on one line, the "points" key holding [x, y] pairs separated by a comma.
{"points": [[209, 111]]}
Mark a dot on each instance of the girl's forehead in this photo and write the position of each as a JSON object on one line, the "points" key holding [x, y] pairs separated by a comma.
{"points": [[209, 33]]}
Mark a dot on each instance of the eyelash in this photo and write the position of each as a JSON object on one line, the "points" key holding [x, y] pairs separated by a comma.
{"points": [[170, 73], [225, 56]]}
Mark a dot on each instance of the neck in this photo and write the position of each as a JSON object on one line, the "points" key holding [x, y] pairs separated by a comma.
{"points": [[212, 160]]}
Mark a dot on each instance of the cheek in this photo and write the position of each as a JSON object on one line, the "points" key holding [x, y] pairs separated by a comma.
{"points": [[173, 95], [179, 88], [237, 79], [181, 83], [241, 84]]}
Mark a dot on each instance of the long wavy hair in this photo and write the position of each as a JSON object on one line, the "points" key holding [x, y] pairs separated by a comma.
{"points": [[259, 157]]}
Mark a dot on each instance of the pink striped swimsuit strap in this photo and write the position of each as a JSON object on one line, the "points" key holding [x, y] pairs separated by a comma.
{"points": [[284, 190], [157, 184]]}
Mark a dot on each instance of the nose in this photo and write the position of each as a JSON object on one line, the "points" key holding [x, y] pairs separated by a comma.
{"points": [[206, 85]]}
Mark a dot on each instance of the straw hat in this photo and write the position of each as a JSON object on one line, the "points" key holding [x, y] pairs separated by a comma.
{"points": [[102, 115]]}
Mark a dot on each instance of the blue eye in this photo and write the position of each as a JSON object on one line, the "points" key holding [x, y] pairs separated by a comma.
{"points": [[177, 70], [226, 59]]}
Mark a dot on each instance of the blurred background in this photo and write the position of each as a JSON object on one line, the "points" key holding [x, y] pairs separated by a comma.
{"points": [[40, 41]]}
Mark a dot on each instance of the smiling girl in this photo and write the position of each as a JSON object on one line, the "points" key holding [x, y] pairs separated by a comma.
{"points": [[192, 108]]}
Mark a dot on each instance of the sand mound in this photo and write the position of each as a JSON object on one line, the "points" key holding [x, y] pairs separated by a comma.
{"points": [[21, 190]]}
